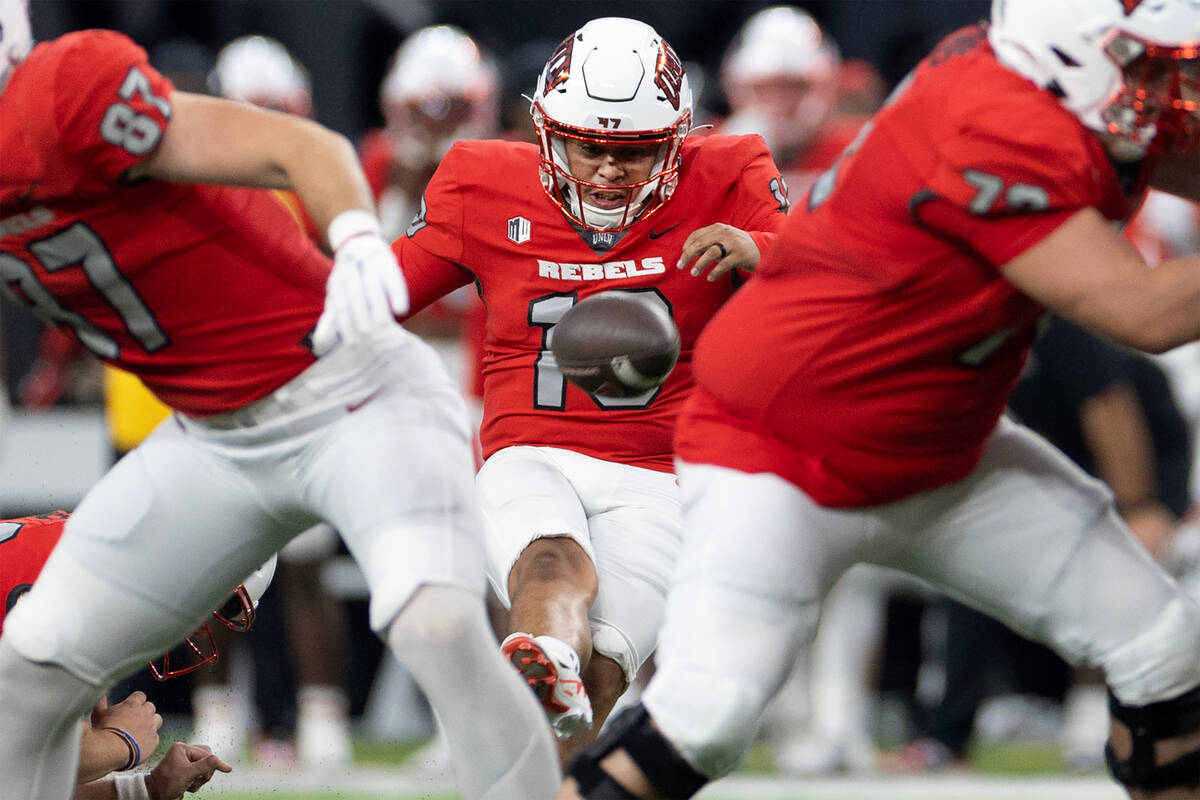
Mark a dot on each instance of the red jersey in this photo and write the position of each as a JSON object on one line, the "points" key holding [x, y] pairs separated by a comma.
{"points": [[486, 219], [818, 155], [25, 544], [876, 348], [204, 292], [376, 156]]}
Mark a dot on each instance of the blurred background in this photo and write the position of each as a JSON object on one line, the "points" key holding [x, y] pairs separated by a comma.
{"points": [[900, 679]]}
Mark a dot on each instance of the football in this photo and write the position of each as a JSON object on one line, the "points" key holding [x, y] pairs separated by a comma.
{"points": [[616, 344]]}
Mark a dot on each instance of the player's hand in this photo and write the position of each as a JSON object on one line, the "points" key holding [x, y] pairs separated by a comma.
{"points": [[719, 248], [136, 715], [366, 290], [185, 768]]}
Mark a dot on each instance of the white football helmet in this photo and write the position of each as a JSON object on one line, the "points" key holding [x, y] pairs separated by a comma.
{"points": [[613, 81], [1130, 68], [259, 70], [237, 614], [780, 76], [441, 87], [16, 37]]}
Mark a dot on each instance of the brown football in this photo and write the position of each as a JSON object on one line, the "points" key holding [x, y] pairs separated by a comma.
{"points": [[617, 343]]}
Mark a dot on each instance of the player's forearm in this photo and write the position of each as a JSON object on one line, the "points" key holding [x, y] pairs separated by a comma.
{"points": [[100, 752], [322, 167], [210, 140], [1165, 313], [103, 789], [1118, 437]]}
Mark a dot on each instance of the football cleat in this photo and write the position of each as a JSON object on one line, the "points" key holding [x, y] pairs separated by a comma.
{"points": [[551, 668]]}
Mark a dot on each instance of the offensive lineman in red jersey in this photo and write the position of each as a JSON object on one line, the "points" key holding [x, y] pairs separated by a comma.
{"points": [[123, 217], [849, 398], [579, 490]]}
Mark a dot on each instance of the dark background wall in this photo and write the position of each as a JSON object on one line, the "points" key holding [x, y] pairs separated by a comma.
{"points": [[346, 43]]}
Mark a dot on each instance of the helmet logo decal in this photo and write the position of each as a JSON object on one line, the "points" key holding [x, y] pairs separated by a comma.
{"points": [[1130, 6], [668, 74], [558, 68]]}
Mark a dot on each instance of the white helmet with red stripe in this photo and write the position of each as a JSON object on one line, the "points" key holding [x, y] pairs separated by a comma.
{"points": [[441, 87], [260, 70], [780, 76], [1130, 68], [613, 81], [16, 37]]}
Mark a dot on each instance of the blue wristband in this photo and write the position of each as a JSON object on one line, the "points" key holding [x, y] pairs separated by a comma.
{"points": [[135, 752]]}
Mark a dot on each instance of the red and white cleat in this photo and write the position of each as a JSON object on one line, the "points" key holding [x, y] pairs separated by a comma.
{"points": [[551, 668]]}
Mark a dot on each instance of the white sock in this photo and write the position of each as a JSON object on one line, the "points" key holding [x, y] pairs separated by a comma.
{"points": [[499, 742], [323, 726]]}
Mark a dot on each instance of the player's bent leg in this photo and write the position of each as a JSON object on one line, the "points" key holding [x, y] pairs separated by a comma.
{"points": [[742, 607], [605, 682], [498, 738], [40, 709], [1041, 548], [1154, 703], [632, 760], [552, 586]]}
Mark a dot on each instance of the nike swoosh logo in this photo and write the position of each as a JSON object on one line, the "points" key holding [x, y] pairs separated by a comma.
{"points": [[352, 407], [655, 234]]}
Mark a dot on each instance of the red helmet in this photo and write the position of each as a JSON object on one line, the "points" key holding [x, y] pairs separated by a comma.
{"points": [[237, 613]]}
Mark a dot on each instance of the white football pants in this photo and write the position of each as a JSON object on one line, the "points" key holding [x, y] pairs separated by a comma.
{"points": [[1028, 538]]}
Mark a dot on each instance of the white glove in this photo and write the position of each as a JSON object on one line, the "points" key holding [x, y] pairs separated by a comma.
{"points": [[365, 290]]}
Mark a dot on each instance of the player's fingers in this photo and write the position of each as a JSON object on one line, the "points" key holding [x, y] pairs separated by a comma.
{"points": [[358, 304], [214, 763], [324, 336], [693, 246], [712, 254]]}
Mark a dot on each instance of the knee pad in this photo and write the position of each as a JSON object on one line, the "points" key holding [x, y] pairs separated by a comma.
{"points": [[1162, 660], [608, 641], [632, 731], [1153, 723]]}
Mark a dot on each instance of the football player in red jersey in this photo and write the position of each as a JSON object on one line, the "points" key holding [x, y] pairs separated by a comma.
{"points": [[781, 76], [121, 734], [579, 490], [126, 214], [439, 88], [849, 398]]}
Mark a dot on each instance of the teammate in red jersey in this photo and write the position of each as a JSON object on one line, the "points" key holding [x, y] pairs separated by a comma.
{"points": [[105, 745], [579, 490], [781, 78], [849, 397], [125, 216]]}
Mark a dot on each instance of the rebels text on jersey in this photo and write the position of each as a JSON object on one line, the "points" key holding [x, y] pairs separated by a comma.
{"points": [[25, 544], [205, 292], [886, 339], [485, 218]]}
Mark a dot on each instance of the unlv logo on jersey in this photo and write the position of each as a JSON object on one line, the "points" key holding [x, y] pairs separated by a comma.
{"points": [[558, 68], [1130, 6], [668, 75]]}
